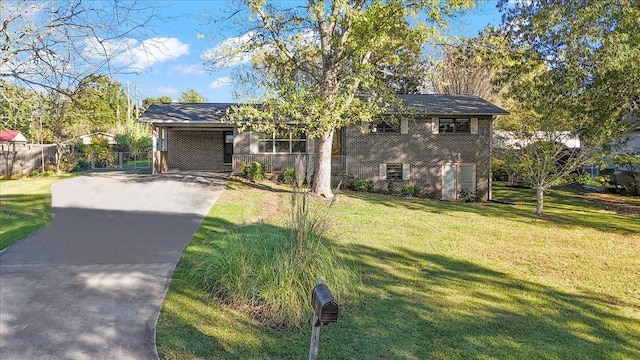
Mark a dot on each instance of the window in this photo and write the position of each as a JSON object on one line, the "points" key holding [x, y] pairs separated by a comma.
{"points": [[394, 171], [457, 125], [282, 142], [385, 127]]}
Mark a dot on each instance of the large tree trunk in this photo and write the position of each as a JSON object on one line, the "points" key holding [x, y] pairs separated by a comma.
{"points": [[539, 200], [322, 175]]}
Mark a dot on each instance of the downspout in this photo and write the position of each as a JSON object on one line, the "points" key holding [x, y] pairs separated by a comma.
{"points": [[490, 195]]}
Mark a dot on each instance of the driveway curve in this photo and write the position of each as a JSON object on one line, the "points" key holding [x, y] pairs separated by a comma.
{"points": [[91, 285]]}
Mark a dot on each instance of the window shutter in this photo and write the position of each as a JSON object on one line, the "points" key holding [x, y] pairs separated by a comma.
{"points": [[253, 140], [404, 126], [435, 125], [474, 125], [406, 171], [383, 171]]}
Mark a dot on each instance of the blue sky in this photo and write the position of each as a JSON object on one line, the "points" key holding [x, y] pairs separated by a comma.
{"points": [[180, 37]]}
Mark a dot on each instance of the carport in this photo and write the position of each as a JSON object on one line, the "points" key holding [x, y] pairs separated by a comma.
{"points": [[190, 136]]}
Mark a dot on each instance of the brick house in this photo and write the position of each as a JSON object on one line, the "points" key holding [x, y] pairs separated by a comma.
{"points": [[443, 144]]}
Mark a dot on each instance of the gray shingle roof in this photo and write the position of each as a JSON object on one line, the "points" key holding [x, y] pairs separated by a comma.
{"points": [[213, 113], [440, 104], [192, 113]]}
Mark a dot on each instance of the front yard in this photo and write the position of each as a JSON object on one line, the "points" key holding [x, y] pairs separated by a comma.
{"points": [[25, 207], [438, 280]]}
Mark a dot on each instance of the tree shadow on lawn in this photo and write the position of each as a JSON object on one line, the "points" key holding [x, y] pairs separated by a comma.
{"points": [[411, 305], [418, 305], [559, 212]]}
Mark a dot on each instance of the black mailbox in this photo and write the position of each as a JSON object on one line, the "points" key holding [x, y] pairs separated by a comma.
{"points": [[324, 304]]}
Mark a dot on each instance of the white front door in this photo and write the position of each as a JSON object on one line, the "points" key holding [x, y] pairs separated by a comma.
{"points": [[457, 177]]}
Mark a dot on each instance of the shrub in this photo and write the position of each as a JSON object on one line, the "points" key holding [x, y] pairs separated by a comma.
{"points": [[68, 162], [500, 171], [467, 195], [407, 190], [370, 186], [391, 186], [254, 171], [82, 164], [271, 271], [357, 185], [417, 191], [288, 176]]}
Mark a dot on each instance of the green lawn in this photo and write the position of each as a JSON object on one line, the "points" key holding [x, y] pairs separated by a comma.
{"points": [[25, 207], [439, 281]]}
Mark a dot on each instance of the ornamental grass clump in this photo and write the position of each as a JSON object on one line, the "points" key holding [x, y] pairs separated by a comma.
{"points": [[269, 271]]}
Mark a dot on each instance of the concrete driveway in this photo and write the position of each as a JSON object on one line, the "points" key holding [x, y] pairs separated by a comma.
{"points": [[90, 286]]}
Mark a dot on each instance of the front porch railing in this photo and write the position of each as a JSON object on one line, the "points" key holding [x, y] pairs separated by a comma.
{"points": [[340, 164]]}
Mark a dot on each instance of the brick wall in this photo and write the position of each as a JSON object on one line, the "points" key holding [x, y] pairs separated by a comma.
{"points": [[196, 150], [424, 151]]}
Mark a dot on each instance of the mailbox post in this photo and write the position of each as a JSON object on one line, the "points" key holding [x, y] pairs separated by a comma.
{"points": [[325, 311]]}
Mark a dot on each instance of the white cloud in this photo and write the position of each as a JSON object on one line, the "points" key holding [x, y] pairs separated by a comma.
{"points": [[134, 54], [230, 52], [166, 90], [194, 69], [220, 83]]}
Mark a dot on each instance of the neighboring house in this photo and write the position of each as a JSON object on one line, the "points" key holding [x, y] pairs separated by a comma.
{"points": [[10, 138], [569, 144], [507, 139], [88, 138], [629, 144], [443, 144]]}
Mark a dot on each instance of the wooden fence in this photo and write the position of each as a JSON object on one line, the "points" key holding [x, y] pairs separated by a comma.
{"points": [[19, 160]]}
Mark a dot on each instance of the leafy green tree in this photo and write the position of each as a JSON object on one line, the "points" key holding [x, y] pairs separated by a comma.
{"points": [[319, 66], [191, 96], [18, 107], [98, 102], [151, 100], [567, 69]]}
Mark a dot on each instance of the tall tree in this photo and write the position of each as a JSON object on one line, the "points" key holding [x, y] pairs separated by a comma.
{"points": [[17, 108], [99, 103], [191, 96], [462, 70], [569, 67], [146, 102], [320, 65], [51, 45]]}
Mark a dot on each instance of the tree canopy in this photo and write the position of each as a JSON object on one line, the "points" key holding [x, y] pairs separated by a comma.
{"points": [[567, 67], [191, 96], [51, 45], [146, 102], [322, 65]]}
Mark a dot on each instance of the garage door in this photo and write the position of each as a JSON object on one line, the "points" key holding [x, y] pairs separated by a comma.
{"points": [[196, 150]]}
